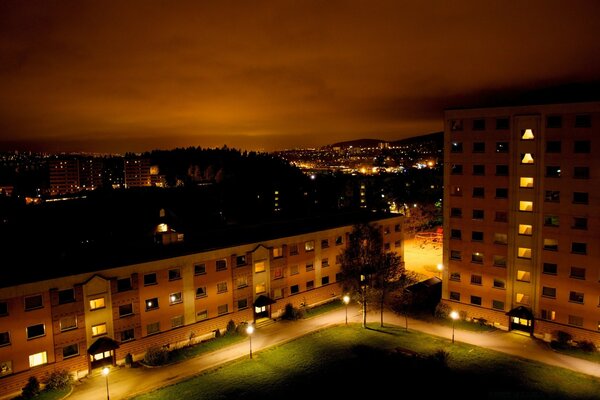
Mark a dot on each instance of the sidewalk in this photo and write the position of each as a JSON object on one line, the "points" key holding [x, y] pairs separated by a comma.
{"points": [[124, 382]]}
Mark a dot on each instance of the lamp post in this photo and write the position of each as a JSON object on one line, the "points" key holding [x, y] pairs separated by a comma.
{"points": [[346, 301], [105, 372], [440, 268], [249, 331], [454, 316]]}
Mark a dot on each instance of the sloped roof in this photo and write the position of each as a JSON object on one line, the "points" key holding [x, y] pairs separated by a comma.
{"points": [[103, 344]]}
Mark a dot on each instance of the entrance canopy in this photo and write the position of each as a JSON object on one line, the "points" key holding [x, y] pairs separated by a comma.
{"points": [[520, 312], [103, 344], [262, 301]]}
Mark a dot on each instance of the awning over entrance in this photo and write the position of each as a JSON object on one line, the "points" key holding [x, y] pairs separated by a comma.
{"points": [[262, 301], [520, 312], [103, 344]]}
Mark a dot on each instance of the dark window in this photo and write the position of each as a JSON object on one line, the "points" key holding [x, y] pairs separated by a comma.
{"points": [[174, 274], [240, 260], [553, 171], [498, 305], [554, 121], [549, 292], [33, 302], [478, 192], [70, 350], [580, 197], [455, 234], [552, 196], [294, 289], [4, 338], [125, 309], [581, 146], [576, 297], [479, 147], [455, 276], [477, 236], [479, 124], [476, 300], [3, 308], [502, 147], [499, 283], [324, 280], [457, 147], [339, 240], [34, 331], [478, 169], [553, 146], [575, 320], [455, 296], [242, 304], [477, 258], [152, 304], [456, 212], [577, 273], [124, 284], [580, 223], [127, 335], [150, 279], [199, 269], [456, 125], [478, 214], [457, 169], [581, 172], [201, 291], [551, 220], [583, 121], [501, 193], [455, 255], [579, 248], [550, 268], [325, 243], [476, 279], [501, 216], [66, 296], [502, 123], [502, 170], [221, 265]]}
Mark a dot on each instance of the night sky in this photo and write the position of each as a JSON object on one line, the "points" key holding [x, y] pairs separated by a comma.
{"points": [[116, 76]]}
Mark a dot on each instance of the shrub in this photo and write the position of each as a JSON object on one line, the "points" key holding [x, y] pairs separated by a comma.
{"points": [[563, 338], [217, 333], [587, 346], [442, 310], [128, 359], [59, 380], [156, 355], [241, 328], [440, 357], [31, 389], [292, 313], [231, 328]]}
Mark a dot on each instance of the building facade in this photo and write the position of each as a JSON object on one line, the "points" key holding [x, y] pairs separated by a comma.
{"points": [[81, 322], [522, 217]]}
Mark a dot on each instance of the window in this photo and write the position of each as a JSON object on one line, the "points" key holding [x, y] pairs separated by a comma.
{"points": [[523, 276], [500, 216], [260, 287], [579, 248], [200, 269], [499, 283], [37, 330], [293, 249], [309, 245], [242, 304], [527, 134], [502, 123], [476, 279], [125, 310], [476, 300], [150, 279], [324, 280], [500, 238], [549, 292], [152, 304], [294, 270], [553, 146], [277, 293], [581, 172], [96, 304], [551, 244], [455, 234], [240, 260], [397, 228], [456, 212], [177, 321], [310, 267], [201, 292], [552, 196], [175, 298], [551, 220], [581, 146], [456, 169], [577, 273], [498, 304], [502, 147], [3, 308], [221, 265], [549, 315], [478, 192], [479, 147], [153, 328], [67, 323], [340, 240], [455, 255], [499, 261], [223, 309], [294, 289], [527, 158], [456, 191], [583, 121], [526, 206], [478, 214], [524, 252], [38, 359], [550, 269], [202, 314], [553, 171], [575, 320], [526, 230], [174, 274], [241, 281], [478, 169], [98, 330], [457, 147], [455, 296], [479, 124], [66, 296], [260, 266], [522, 298], [456, 125], [576, 297], [4, 339], [34, 302], [325, 261], [127, 335], [553, 121], [502, 170], [310, 285], [70, 350], [477, 258], [221, 287], [455, 276], [124, 284], [579, 223], [477, 236], [580, 197], [501, 193], [325, 243]]}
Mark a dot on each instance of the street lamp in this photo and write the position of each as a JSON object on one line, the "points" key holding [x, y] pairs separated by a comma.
{"points": [[105, 372], [249, 331], [440, 268], [346, 299], [454, 316]]}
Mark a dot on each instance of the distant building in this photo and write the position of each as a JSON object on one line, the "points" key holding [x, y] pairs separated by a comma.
{"points": [[522, 217], [137, 172]]}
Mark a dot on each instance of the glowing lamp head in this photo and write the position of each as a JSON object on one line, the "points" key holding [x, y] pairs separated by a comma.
{"points": [[454, 315], [250, 330], [105, 371], [346, 299]]}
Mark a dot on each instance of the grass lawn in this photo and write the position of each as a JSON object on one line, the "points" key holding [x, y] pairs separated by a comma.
{"points": [[352, 361], [50, 394]]}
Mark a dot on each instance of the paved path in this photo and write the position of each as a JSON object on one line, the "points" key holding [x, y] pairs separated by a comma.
{"points": [[124, 383]]}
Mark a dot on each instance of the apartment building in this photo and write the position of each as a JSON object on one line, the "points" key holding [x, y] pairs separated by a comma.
{"points": [[522, 217], [84, 321]]}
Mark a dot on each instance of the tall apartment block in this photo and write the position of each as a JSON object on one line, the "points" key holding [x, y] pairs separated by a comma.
{"points": [[83, 321], [137, 172], [522, 217]]}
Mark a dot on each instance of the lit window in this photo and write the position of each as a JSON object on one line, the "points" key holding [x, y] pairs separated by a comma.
{"points": [[526, 206], [524, 252], [523, 276], [175, 298], [97, 303], [549, 315], [551, 244], [309, 246], [522, 298], [277, 252], [259, 266], [99, 329], [526, 182], [527, 158], [527, 134], [525, 229], [37, 359], [241, 281], [261, 287], [152, 304]]}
